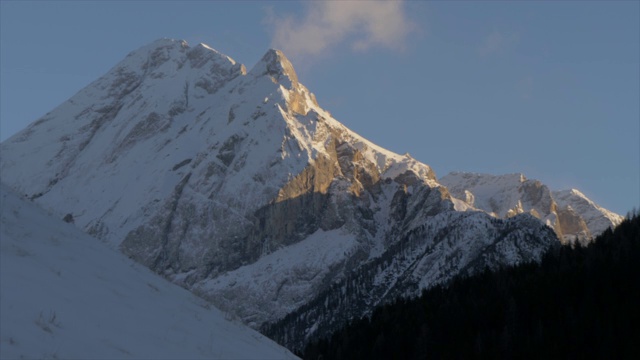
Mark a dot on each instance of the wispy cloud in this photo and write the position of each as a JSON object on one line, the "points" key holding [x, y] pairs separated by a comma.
{"points": [[361, 24], [495, 42]]}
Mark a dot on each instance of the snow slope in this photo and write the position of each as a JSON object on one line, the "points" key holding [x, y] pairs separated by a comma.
{"points": [[443, 246], [66, 295]]}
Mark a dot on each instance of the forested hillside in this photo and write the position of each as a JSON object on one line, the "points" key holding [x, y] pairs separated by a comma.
{"points": [[581, 302]]}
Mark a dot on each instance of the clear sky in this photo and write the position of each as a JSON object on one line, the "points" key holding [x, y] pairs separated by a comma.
{"points": [[549, 89]]}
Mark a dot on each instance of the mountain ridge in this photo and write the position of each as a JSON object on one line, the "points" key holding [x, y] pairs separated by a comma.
{"points": [[571, 214], [208, 174]]}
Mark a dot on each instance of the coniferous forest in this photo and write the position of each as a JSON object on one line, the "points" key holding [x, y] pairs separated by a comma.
{"points": [[580, 302]]}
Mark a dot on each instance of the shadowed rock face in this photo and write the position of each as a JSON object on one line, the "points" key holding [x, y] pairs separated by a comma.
{"points": [[340, 188], [572, 224]]}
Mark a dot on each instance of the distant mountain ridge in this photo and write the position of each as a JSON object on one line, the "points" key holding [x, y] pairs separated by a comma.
{"points": [[237, 185], [569, 212]]}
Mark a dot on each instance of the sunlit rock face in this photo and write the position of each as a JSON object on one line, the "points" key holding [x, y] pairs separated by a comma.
{"points": [[569, 213]]}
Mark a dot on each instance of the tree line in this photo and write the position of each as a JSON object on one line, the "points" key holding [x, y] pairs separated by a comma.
{"points": [[578, 302]]}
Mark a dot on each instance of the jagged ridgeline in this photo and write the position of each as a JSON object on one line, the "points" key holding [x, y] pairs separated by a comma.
{"points": [[237, 185]]}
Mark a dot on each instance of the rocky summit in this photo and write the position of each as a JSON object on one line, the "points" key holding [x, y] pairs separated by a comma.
{"points": [[238, 186]]}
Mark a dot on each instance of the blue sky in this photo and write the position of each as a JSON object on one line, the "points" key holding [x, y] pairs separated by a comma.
{"points": [[549, 89]]}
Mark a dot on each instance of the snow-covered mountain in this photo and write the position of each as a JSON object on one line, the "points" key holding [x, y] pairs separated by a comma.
{"points": [[445, 245], [237, 185], [571, 214], [65, 295]]}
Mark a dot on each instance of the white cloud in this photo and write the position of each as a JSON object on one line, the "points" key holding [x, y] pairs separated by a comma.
{"points": [[362, 24], [495, 42]]}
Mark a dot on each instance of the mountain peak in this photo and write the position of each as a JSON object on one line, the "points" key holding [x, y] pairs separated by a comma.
{"points": [[275, 64], [162, 43], [222, 181], [172, 55]]}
